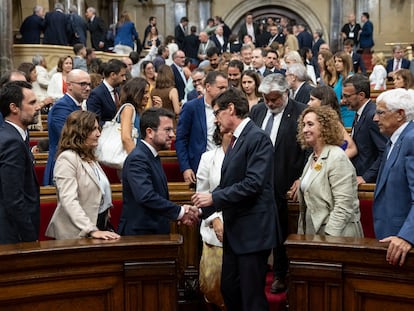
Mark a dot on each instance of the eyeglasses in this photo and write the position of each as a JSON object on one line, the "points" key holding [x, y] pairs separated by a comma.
{"points": [[348, 95], [82, 84], [217, 112], [198, 81]]}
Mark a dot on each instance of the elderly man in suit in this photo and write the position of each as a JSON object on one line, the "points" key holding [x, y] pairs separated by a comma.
{"points": [[78, 89], [19, 194], [179, 76], [245, 196], [97, 29], [365, 133], [146, 208], [57, 26], [281, 113], [394, 192], [33, 26], [196, 127], [248, 28], [104, 99], [297, 77]]}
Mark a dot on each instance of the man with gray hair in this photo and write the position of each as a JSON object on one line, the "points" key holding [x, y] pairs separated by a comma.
{"points": [[297, 77], [393, 203], [278, 116], [33, 26], [97, 29], [77, 26], [56, 26]]}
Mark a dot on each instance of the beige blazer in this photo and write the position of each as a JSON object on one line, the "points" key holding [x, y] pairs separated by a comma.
{"points": [[79, 198], [331, 200]]}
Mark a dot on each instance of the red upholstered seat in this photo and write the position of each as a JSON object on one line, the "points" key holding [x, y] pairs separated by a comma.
{"points": [[46, 212], [367, 220], [172, 171], [40, 171], [116, 212]]}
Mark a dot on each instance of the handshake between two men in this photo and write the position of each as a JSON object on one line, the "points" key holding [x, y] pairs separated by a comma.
{"points": [[192, 213]]}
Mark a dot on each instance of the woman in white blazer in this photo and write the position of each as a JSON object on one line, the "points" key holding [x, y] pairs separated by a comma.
{"points": [[83, 190], [57, 84], [328, 194]]}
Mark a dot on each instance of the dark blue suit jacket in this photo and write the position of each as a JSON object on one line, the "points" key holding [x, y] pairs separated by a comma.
{"points": [[303, 94], [179, 83], [100, 101], [370, 143], [31, 29], [366, 35], [19, 189], [305, 39], [394, 192], [245, 194], [56, 119], [98, 31], [191, 140], [146, 208], [405, 64], [56, 28]]}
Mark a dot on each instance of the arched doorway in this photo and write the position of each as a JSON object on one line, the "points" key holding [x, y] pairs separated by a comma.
{"points": [[277, 9]]}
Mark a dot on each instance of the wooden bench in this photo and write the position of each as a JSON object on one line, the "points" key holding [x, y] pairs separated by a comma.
{"points": [[337, 274]]}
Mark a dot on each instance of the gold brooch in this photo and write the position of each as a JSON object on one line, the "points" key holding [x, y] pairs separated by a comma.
{"points": [[317, 166]]}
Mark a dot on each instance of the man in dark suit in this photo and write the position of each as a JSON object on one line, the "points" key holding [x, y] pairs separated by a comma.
{"points": [[365, 132], [248, 28], [366, 34], [219, 40], [397, 62], [146, 208], [245, 196], [104, 99], [78, 27], [357, 61], [297, 77], [97, 29], [305, 39], [272, 63], [179, 77], [33, 26], [191, 45], [317, 41], [180, 32], [393, 203], [57, 26], [19, 192], [196, 127], [78, 89], [288, 160]]}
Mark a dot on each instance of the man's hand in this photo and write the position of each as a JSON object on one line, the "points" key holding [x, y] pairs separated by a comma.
{"points": [[202, 199], [360, 180], [191, 215], [189, 176], [156, 101], [397, 250]]}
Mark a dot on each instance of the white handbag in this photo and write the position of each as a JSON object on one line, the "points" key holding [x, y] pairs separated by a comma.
{"points": [[110, 150]]}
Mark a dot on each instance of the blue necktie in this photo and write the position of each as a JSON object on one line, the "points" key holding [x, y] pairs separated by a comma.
{"points": [[269, 124]]}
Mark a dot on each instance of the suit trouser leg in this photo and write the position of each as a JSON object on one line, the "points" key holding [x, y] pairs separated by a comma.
{"points": [[243, 280], [280, 260]]}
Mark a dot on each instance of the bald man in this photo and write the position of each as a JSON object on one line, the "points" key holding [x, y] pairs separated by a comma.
{"points": [[78, 89]]}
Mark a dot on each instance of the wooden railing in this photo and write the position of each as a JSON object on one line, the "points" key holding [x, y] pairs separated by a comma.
{"points": [[133, 273], [340, 274]]}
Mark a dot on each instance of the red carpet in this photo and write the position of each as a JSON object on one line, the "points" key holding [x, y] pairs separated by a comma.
{"points": [[277, 302]]}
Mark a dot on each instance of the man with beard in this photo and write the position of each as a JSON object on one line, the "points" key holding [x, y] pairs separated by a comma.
{"points": [[278, 116], [234, 71], [19, 193], [148, 210]]}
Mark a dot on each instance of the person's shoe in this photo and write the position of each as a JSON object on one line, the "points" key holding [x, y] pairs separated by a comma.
{"points": [[278, 286]]}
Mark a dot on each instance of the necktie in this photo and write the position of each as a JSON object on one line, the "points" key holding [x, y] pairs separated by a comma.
{"points": [[116, 98], [231, 144], [388, 148], [354, 123], [269, 124], [397, 64]]}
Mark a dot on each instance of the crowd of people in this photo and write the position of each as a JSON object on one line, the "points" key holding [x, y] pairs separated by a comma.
{"points": [[254, 115]]}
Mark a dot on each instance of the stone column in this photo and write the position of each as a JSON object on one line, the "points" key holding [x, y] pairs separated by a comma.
{"points": [[335, 27], [6, 36]]}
